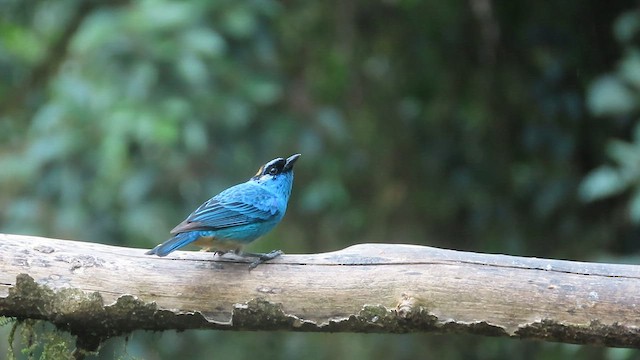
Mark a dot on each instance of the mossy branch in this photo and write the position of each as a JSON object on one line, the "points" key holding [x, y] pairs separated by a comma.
{"points": [[98, 291]]}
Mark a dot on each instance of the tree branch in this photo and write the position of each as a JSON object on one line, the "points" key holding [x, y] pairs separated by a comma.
{"points": [[99, 291]]}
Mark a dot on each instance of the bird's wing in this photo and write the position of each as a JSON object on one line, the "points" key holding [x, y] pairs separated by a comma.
{"points": [[240, 205]]}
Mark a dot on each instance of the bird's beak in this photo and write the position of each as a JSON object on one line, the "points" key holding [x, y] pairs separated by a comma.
{"points": [[290, 161]]}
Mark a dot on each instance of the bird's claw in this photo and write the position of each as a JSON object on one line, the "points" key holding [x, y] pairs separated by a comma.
{"points": [[261, 258]]}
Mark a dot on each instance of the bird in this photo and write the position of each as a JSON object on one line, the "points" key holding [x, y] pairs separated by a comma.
{"points": [[238, 215]]}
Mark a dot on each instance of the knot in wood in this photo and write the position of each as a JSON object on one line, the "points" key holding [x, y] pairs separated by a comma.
{"points": [[406, 305]]}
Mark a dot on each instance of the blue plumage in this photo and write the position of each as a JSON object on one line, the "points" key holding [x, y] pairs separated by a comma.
{"points": [[239, 214], [177, 241]]}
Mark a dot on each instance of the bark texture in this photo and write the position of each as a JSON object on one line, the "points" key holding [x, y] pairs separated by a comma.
{"points": [[98, 291]]}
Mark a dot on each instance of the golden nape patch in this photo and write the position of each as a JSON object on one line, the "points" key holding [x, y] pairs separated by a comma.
{"points": [[259, 171]]}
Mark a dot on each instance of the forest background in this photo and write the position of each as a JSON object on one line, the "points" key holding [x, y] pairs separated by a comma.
{"points": [[503, 127]]}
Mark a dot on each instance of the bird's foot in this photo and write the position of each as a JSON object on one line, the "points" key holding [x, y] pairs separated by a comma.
{"points": [[261, 258], [214, 251]]}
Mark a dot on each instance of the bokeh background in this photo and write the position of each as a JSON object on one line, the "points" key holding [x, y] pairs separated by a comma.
{"points": [[508, 127]]}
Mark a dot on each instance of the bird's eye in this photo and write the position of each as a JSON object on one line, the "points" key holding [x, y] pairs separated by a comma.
{"points": [[273, 171]]}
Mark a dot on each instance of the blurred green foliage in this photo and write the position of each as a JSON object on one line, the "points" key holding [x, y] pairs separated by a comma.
{"points": [[616, 94], [463, 124]]}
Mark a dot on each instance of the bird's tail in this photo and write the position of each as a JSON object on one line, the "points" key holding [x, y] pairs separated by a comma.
{"points": [[179, 240]]}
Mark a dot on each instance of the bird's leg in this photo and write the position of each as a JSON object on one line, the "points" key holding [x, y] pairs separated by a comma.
{"points": [[215, 252], [261, 258]]}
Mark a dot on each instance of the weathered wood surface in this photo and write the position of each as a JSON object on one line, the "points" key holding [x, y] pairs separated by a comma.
{"points": [[104, 291]]}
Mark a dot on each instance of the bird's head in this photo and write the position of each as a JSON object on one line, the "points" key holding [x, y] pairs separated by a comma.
{"points": [[276, 171]]}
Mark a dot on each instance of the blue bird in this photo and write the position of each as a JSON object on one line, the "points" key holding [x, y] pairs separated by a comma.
{"points": [[238, 215]]}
